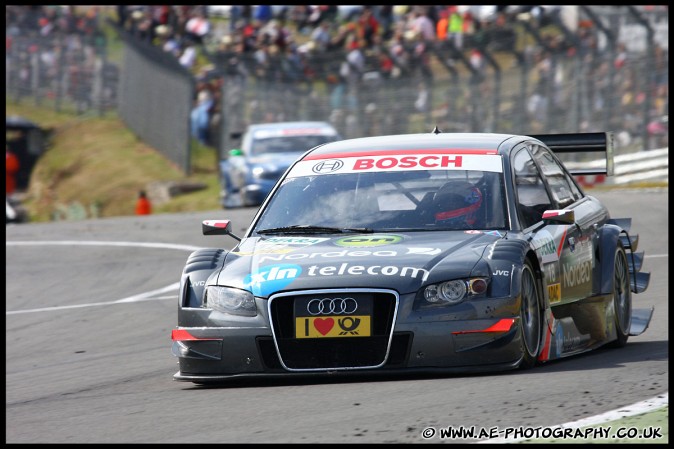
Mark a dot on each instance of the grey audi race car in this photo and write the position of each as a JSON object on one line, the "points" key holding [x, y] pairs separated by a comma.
{"points": [[438, 252]]}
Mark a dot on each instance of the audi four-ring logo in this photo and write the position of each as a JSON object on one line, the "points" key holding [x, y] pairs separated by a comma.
{"points": [[332, 306]]}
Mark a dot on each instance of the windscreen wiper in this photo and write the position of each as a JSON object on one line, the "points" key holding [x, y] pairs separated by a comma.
{"points": [[310, 229]]}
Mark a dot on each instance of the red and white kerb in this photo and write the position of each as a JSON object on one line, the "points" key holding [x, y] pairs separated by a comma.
{"points": [[397, 160]]}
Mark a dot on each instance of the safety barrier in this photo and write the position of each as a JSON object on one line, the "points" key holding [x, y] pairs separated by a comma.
{"points": [[642, 166]]}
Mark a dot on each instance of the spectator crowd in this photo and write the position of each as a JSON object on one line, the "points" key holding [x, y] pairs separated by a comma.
{"points": [[351, 49]]}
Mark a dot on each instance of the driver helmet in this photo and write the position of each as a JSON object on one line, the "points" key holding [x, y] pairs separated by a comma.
{"points": [[456, 204]]}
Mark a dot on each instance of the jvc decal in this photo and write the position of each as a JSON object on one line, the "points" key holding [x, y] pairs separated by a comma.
{"points": [[270, 279]]}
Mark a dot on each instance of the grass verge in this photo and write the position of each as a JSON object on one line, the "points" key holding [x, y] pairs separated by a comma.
{"points": [[97, 165]]}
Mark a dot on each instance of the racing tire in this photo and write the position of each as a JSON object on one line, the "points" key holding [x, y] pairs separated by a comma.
{"points": [[622, 298], [530, 318]]}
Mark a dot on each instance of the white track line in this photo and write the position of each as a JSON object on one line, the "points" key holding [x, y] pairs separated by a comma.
{"points": [[103, 243], [136, 298], [639, 408], [631, 410]]}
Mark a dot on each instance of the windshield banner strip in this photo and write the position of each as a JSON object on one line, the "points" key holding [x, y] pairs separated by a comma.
{"points": [[388, 163], [410, 152]]}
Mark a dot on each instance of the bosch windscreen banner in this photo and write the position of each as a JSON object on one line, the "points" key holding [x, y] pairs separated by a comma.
{"points": [[382, 162]]}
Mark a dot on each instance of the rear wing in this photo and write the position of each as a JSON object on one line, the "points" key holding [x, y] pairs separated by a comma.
{"points": [[583, 143]]}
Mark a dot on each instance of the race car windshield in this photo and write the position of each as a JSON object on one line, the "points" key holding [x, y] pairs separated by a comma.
{"points": [[288, 144], [380, 201], [308, 229]]}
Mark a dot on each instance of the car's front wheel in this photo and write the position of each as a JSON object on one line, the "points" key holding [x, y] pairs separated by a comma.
{"points": [[530, 318], [622, 297]]}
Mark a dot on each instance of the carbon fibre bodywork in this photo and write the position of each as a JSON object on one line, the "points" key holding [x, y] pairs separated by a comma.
{"points": [[344, 269]]}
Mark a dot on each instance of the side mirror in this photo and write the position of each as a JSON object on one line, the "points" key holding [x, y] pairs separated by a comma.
{"points": [[218, 227], [559, 216]]}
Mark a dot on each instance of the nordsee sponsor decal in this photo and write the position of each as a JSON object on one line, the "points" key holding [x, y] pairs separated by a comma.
{"points": [[369, 240], [272, 278], [328, 254], [575, 274], [347, 253], [373, 270]]}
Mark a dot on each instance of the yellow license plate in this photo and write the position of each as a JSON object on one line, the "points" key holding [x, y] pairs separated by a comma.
{"points": [[332, 326]]}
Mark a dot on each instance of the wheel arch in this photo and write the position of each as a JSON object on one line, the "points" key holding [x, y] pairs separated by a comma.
{"points": [[516, 253], [609, 240], [199, 266]]}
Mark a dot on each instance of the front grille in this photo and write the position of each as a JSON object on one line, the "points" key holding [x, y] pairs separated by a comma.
{"points": [[333, 352]]}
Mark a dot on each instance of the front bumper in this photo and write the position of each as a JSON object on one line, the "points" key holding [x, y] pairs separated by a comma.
{"points": [[480, 335]]}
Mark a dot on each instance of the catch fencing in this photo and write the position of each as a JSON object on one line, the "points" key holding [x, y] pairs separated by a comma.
{"points": [[155, 99], [608, 74], [516, 79]]}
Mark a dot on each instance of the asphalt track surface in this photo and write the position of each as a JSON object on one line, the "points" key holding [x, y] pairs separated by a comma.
{"points": [[88, 356]]}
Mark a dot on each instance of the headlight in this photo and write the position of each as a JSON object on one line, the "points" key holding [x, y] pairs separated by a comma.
{"points": [[453, 292], [257, 171], [230, 300]]}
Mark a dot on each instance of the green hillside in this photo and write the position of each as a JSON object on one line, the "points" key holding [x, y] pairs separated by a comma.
{"points": [[95, 167]]}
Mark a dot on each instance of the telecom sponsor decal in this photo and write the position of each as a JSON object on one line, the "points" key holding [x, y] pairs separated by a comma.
{"points": [[572, 339], [347, 253], [397, 162], [279, 245], [269, 279], [373, 270], [369, 240]]}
